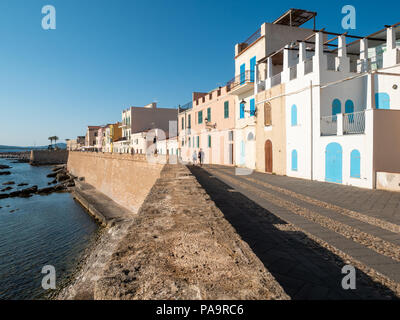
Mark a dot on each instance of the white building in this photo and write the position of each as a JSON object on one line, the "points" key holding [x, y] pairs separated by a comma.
{"points": [[342, 107], [268, 39]]}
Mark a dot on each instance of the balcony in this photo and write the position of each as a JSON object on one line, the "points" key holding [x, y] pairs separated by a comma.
{"points": [[343, 124], [241, 83]]}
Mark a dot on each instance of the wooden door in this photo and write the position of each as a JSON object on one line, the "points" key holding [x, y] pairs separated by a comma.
{"points": [[268, 156]]}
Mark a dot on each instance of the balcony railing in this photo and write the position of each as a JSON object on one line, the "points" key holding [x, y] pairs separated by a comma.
{"points": [[329, 126], [242, 78], [398, 56], [253, 37], [293, 72], [375, 62], [275, 80], [354, 123], [186, 106], [308, 66], [342, 124]]}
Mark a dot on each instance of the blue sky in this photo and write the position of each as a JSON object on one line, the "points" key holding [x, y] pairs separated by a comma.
{"points": [[106, 55]]}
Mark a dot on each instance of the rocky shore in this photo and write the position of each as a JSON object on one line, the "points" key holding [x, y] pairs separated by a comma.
{"points": [[62, 181], [179, 246]]}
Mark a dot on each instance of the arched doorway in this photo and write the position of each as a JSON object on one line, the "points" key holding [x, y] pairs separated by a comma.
{"points": [[268, 156], [242, 153], [333, 163]]}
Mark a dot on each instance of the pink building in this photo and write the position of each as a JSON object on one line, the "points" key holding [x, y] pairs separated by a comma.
{"points": [[207, 124]]}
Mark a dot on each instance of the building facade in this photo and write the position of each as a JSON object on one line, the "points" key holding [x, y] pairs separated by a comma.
{"points": [[137, 120], [266, 40], [341, 106]]}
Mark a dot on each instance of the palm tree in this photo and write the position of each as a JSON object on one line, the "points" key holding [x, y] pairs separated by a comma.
{"points": [[51, 140]]}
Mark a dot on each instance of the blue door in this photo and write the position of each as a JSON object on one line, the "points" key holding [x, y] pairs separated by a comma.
{"points": [[252, 68], [242, 153], [333, 163], [336, 108], [242, 73]]}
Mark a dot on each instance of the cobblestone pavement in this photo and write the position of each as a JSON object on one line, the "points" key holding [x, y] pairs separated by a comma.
{"points": [[305, 232]]}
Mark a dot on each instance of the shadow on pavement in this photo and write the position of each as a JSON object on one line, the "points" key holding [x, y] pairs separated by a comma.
{"points": [[304, 269]]}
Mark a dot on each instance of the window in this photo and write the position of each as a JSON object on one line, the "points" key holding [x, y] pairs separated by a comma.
{"points": [[267, 114], [355, 160], [209, 114], [252, 108], [198, 142], [183, 123], [209, 141], [382, 100], [294, 115], [189, 121], [241, 114], [294, 160], [189, 142], [242, 73], [200, 117], [226, 109], [336, 107]]}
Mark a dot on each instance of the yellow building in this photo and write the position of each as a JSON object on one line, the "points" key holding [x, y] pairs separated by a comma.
{"points": [[113, 133]]}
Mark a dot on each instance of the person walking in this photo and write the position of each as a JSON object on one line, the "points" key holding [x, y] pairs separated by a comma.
{"points": [[194, 157], [200, 156]]}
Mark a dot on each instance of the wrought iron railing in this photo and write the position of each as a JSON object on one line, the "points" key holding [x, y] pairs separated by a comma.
{"points": [[329, 126], [253, 37], [242, 78], [186, 106], [354, 122]]}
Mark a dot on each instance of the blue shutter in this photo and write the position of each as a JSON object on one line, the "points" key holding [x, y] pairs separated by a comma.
{"points": [[252, 107], [241, 111], [355, 160], [242, 73], [252, 68], [294, 115]]}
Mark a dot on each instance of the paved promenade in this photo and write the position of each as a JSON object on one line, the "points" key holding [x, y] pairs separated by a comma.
{"points": [[305, 232]]}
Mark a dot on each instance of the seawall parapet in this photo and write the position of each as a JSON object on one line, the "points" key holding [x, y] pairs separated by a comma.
{"points": [[47, 157], [125, 178]]}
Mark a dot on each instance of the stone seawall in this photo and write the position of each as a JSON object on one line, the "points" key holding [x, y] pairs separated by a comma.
{"points": [[46, 157], [125, 178]]}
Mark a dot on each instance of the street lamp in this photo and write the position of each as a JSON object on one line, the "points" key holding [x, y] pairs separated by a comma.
{"points": [[252, 113]]}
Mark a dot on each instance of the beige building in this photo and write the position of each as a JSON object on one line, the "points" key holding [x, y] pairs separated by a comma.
{"points": [[271, 131], [91, 136], [141, 119]]}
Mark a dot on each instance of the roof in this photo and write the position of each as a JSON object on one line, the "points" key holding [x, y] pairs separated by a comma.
{"points": [[295, 17]]}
